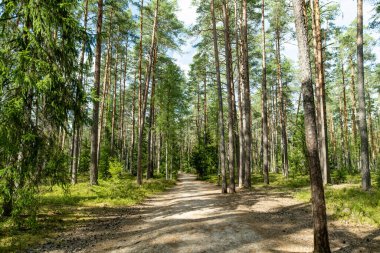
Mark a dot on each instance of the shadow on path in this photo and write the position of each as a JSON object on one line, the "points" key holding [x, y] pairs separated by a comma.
{"points": [[195, 217]]}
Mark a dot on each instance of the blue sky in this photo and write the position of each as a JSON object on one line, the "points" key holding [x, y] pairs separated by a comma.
{"points": [[187, 13]]}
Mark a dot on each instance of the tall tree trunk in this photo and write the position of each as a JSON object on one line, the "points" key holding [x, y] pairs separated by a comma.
{"points": [[205, 109], [284, 135], [140, 115], [122, 106], [321, 241], [222, 149], [345, 125], [113, 121], [95, 116], [166, 159], [264, 99], [321, 94], [343, 153], [333, 140], [198, 119], [240, 97], [77, 126], [231, 133], [159, 154], [371, 131], [143, 97], [132, 148], [151, 119], [106, 84], [364, 152], [247, 100], [354, 104]]}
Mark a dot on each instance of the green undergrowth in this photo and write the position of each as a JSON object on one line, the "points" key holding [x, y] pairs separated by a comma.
{"points": [[277, 181], [349, 202], [61, 209], [344, 201]]}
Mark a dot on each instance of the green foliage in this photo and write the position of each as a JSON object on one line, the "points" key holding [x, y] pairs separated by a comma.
{"points": [[279, 181], [39, 84], [25, 208], [349, 202], [204, 158], [297, 150], [104, 161], [61, 209], [355, 204], [198, 161], [85, 156], [377, 178], [339, 176], [115, 168]]}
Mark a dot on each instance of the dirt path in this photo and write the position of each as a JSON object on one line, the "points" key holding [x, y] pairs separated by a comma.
{"points": [[195, 217]]}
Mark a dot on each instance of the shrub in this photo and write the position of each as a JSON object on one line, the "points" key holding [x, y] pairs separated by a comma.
{"points": [[339, 176]]}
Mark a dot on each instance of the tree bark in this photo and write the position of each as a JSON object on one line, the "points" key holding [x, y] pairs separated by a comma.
{"points": [[354, 110], [205, 110], [247, 100], [321, 241], [106, 84], [143, 97], [284, 135], [113, 121], [240, 98], [76, 125], [122, 134], [151, 119], [264, 99], [222, 149], [346, 145], [132, 147], [354, 104], [95, 116], [231, 133], [364, 152], [321, 94]]}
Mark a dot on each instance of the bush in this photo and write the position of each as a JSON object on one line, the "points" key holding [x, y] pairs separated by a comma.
{"points": [[104, 161], [339, 176], [115, 168], [204, 160], [85, 156]]}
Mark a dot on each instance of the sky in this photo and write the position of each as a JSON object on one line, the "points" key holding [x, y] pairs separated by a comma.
{"points": [[187, 13]]}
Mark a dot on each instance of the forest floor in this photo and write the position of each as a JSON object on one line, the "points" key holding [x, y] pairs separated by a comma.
{"points": [[194, 217]]}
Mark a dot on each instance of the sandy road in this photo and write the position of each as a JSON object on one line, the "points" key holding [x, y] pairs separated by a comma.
{"points": [[192, 217], [195, 217]]}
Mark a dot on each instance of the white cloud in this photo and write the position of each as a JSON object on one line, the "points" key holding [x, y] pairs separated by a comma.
{"points": [[187, 12]]}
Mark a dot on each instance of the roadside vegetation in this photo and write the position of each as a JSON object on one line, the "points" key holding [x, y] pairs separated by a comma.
{"points": [[61, 208], [345, 201]]}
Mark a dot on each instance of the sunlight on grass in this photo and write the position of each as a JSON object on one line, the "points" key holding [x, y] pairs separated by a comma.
{"points": [[349, 202], [276, 181], [344, 201], [61, 208]]}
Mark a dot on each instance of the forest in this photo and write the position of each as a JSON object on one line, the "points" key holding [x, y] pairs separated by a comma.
{"points": [[97, 115]]}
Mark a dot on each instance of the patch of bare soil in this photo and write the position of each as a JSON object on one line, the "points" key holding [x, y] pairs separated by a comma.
{"points": [[195, 217]]}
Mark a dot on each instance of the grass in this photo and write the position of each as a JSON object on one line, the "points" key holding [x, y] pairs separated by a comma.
{"points": [[349, 202], [61, 209], [344, 202], [277, 181]]}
